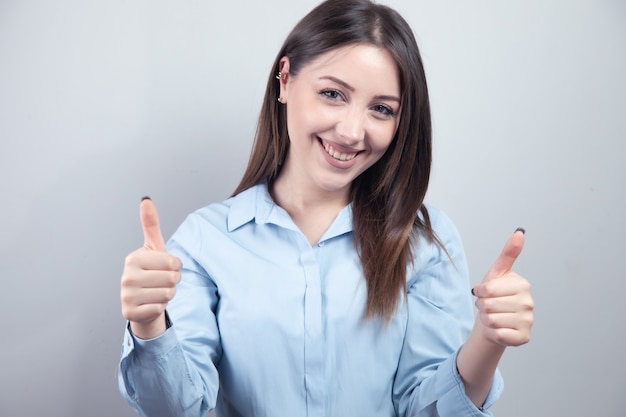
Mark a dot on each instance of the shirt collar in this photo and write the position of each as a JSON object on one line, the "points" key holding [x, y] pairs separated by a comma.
{"points": [[257, 204]]}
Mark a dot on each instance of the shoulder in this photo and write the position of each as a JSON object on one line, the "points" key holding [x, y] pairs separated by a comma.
{"points": [[217, 219], [232, 212], [447, 249], [443, 226], [439, 272]]}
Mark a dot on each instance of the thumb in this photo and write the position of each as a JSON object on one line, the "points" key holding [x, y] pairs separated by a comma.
{"points": [[508, 256], [152, 237]]}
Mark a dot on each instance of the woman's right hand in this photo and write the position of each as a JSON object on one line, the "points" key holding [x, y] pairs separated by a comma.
{"points": [[149, 278]]}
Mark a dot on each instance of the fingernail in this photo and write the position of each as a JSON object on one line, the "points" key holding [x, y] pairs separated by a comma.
{"points": [[474, 294], [521, 229], [145, 198]]}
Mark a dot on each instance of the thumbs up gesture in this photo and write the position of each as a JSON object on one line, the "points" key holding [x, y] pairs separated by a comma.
{"points": [[505, 306], [149, 278]]}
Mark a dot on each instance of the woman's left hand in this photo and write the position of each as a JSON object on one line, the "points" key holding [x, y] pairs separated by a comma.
{"points": [[505, 305]]}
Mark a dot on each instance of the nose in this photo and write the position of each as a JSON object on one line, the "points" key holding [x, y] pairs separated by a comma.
{"points": [[351, 126]]}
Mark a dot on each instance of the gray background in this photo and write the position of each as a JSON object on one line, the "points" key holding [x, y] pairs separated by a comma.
{"points": [[104, 101]]}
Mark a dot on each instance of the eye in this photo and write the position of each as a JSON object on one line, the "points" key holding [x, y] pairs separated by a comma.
{"points": [[331, 94], [384, 110]]}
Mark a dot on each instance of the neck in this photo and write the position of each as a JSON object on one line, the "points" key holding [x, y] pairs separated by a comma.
{"points": [[312, 209], [294, 193]]}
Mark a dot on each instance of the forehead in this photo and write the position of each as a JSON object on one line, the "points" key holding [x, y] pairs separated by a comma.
{"points": [[358, 64]]}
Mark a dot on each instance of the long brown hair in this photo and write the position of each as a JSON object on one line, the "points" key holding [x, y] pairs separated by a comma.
{"points": [[386, 198]]}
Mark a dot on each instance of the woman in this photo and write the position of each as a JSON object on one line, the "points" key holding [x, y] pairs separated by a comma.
{"points": [[324, 286]]}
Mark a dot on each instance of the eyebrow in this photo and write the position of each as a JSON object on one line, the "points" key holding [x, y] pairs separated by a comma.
{"points": [[349, 87]]}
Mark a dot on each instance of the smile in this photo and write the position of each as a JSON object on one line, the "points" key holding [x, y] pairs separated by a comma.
{"points": [[340, 156]]}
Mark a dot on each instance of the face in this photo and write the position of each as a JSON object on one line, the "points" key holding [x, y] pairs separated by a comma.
{"points": [[343, 109]]}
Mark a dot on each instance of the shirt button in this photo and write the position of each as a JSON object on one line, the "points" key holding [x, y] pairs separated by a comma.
{"points": [[321, 244]]}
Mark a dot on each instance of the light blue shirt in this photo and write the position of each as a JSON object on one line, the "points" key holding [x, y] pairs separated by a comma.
{"points": [[264, 324]]}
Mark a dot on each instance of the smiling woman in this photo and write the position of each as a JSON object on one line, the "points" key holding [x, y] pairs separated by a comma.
{"points": [[324, 286], [378, 41], [339, 124]]}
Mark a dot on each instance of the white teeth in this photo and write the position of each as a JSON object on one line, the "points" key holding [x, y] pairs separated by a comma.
{"points": [[338, 155]]}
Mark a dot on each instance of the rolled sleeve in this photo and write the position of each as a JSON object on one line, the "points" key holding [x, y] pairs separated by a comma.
{"points": [[155, 379], [454, 401]]}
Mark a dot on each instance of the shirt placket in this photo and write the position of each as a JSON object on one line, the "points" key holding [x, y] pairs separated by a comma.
{"points": [[313, 334]]}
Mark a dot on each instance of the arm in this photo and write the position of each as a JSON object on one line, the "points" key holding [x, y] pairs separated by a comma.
{"points": [[171, 371], [440, 318], [505, 317]]}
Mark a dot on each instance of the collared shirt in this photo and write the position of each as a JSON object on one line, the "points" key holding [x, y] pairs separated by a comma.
{"points": [[264, 324]]}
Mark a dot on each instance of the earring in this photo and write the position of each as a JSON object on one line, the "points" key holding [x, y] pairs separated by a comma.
{"points": [[281, 76], [280, 100]]}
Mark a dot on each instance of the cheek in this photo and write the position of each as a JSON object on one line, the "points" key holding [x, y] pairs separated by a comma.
{"points": [[382, 138], [305, 115]]}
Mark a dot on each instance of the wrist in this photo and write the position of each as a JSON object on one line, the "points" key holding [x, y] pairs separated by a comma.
{"points": [[480, 336], [150, 329]]}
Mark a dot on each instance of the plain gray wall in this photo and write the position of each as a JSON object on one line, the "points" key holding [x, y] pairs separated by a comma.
{"points": [[104, 101]]}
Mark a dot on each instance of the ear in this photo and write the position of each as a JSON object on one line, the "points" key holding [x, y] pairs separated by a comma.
{"points": [[283, 67]]}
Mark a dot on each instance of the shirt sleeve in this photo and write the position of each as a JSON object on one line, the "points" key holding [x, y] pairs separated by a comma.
{"points": [[175, 374], [440, 317]]}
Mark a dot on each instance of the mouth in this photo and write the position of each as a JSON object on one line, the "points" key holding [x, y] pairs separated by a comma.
{"points": [[338, 155]]}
